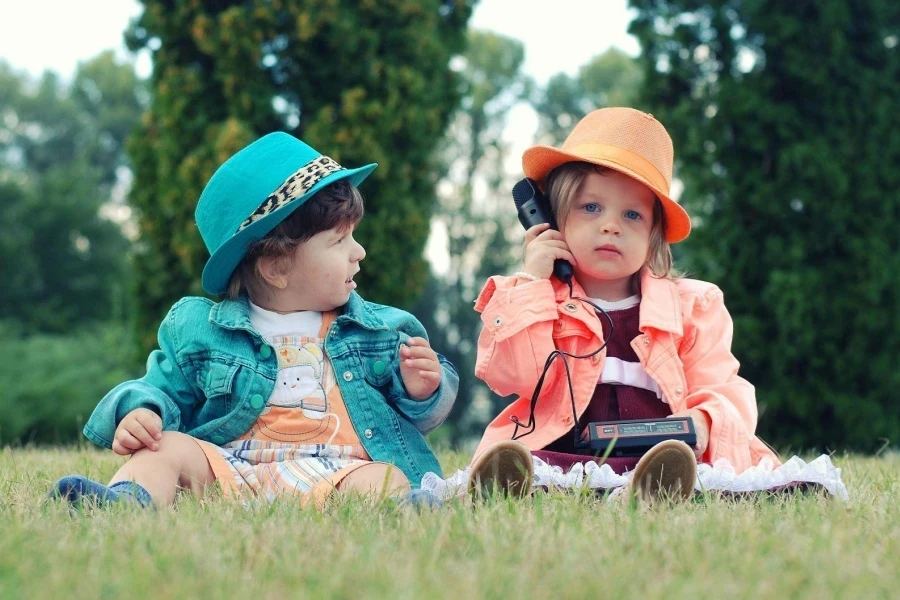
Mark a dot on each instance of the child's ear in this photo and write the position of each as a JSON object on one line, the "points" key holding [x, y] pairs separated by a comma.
{"points": [[269, 268]]}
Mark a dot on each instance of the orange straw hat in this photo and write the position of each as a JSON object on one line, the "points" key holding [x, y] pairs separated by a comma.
{"points": [[627, 140]]}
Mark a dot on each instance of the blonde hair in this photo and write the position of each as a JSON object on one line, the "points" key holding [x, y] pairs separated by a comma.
{"points": [[563, 182], [339, 205]]}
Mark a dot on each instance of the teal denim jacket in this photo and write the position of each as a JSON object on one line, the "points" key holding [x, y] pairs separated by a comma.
{"points": [[213, 373]]}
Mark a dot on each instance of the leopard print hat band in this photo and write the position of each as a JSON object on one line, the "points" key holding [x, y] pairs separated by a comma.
{"points": [[295, 186]]}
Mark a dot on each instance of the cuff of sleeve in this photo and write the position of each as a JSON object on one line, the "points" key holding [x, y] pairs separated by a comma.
{"points": [[429, 413], [126, 405], [96, 437]]}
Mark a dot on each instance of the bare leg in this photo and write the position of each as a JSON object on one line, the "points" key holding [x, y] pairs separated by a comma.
{"points": [[179, 463], [376, 478]]}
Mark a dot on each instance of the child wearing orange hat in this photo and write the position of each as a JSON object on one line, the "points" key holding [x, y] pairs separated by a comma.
{"points": [[664, 340]]}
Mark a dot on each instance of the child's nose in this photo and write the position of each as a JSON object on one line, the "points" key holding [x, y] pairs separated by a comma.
{"points": [[360, 252], [611, 225]]}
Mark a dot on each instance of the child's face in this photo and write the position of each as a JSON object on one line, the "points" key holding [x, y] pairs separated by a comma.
{"points": [[608, 231], [321, 276]]}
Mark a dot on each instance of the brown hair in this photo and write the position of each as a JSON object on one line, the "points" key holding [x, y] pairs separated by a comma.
{"points": [[336, 206], [563, 182]]}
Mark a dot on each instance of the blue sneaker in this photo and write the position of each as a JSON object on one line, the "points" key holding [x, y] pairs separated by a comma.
{"points": [[76, 489], [420, 500]]}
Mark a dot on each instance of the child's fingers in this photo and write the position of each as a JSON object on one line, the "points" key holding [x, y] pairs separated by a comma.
{"points": [[549, 235], [417, 342], [128, 441], [430, 375], [152, 423], [535, 231], [562, 252], [120, 449], [420, 352], [554, 244], [567, 256], [420, 363], [137, 430]]}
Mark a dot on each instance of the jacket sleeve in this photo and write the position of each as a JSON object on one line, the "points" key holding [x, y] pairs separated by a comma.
{"points": [[516, 335], [429, 413], [164, 389], [713, 383]]}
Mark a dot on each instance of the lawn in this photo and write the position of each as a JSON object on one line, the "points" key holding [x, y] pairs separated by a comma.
{"points": [[550, 546]]}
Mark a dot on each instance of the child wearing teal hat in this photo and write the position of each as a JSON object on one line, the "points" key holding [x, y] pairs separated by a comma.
{"points": [[293, 385]]}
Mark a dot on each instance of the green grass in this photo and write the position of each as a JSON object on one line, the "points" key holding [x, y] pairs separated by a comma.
{"points": [[550, 546]]}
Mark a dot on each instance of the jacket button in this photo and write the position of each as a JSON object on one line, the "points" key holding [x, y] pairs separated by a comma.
{"points": [[646, 341], [678, 390], [265, 351], [368, 434], [378, 367], [498, 321], [256, 401], [571, 307], [218, 440], [348, 376]]}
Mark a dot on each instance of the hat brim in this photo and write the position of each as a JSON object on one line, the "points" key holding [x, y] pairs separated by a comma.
{"points": [[538, 161], [223, 262]]}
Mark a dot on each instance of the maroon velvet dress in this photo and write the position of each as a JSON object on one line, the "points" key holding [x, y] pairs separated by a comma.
{"points": [[611, 402]]}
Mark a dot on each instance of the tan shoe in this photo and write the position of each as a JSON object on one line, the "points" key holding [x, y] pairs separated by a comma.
{"points": [[667, 470], [505, 468]]}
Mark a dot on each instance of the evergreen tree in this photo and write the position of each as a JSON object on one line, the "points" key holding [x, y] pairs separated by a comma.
{"points": [[360, 81], [785, 118]]}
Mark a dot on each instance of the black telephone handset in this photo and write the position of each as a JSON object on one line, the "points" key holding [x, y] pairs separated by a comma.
{"points": [[534, 209]]}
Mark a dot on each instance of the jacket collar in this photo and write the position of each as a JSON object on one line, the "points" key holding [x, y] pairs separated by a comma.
{"points": [[235, 314], [232, 314], [660, 303]]}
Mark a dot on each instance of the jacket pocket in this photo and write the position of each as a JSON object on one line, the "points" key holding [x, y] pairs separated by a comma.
{"points": [[216, 380], [567, 328], [378, 364]]}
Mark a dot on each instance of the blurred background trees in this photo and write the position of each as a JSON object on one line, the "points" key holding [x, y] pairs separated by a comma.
{"points": [[474, 215], [64, 257], [61, 151], [784, 118]]}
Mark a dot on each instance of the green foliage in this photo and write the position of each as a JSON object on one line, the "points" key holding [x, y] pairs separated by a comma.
{"points": [[477, 223], [51, 383], [60, 150], [785, 120], [610, 79], [360, 81]]}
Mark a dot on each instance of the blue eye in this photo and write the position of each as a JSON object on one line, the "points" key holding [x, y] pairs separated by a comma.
{"points": [[591, 208], [633, 215]]}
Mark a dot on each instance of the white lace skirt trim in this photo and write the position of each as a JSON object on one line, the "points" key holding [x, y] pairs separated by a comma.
{"points": [[717, 477]]}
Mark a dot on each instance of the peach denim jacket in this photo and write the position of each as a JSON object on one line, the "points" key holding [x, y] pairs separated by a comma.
{"points": [[685, 346]]}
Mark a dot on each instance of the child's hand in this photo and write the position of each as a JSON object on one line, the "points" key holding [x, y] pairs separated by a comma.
{"points": [[141, 428], [701, 428], [419, 368], [543, 246]]}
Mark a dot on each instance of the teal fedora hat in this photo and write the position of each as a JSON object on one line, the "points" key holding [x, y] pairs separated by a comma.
{"points": [[255, 190]]}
